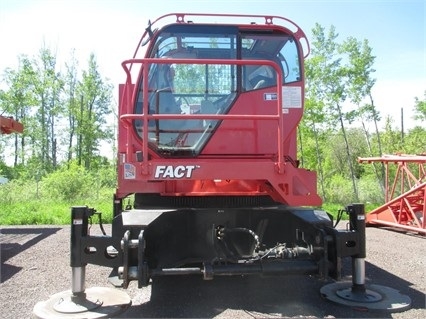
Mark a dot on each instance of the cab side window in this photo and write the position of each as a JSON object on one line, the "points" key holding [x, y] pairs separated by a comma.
{"points": [[289, 58]]}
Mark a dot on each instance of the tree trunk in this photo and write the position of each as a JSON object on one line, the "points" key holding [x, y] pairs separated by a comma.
{"points": [[370, 150], [379, 143], [71, 136], [80, 136], [319, 162], [53, 142], [348, 153]]}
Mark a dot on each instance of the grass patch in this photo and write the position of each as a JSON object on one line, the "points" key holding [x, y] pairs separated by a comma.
{"points": [[45, 212], [42, 212]]}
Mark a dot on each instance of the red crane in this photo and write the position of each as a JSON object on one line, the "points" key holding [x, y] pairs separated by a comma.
{"points": [[209, 182]]}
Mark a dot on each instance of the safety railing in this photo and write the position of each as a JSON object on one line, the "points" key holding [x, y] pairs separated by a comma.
{"points": [[127, 109], [225, 19]]}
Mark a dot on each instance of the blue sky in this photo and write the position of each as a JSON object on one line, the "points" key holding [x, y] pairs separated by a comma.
{"points": [[111, 29]]}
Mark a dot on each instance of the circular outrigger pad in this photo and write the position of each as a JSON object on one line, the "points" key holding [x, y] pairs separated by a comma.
{"points": [[374, 297], [96, 302]]}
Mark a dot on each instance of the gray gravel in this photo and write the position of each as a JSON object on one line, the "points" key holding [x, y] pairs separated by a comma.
{"points": [[35, 265]]}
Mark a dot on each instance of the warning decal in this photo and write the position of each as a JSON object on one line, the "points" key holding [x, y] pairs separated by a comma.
{"points": [[292, 97], [270, 96], [129, 171]]}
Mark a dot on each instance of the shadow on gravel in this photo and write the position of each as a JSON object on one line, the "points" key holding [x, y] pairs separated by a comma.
{"points": [[257, 297], [379, 276], [13, 241]]}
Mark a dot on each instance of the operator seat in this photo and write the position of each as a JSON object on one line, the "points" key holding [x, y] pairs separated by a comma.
{"points": [[261, 77], [263, 82], [164, 102]]}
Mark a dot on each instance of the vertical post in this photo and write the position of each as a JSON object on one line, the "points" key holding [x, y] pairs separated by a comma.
{"points": [[117, 206], [116, 222], [357, 223], [79, 224]]}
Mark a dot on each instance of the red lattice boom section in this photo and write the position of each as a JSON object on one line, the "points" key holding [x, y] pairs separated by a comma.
{"points": [[405, 196]]}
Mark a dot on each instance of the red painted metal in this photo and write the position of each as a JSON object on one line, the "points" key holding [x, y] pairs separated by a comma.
{"points": [[8, 125], [252, 153], [405, 197]]}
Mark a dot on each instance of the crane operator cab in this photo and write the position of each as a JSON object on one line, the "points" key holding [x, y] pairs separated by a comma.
{"points": [[193, 75]]}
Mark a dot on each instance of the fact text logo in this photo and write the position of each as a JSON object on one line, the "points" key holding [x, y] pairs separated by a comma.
{"points": [[170, 171]]}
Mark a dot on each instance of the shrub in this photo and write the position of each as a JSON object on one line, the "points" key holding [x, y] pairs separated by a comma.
{"points": [[370, 191], [67, 184], [339, 190], [18, 191]]}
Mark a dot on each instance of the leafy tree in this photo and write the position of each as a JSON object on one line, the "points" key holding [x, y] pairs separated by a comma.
{"points": [[95, 99], [70, 90], [331, 87], [420, 108], [359, 83], [54, 109], [5, 170], [391, 138], [48, 88], [414, 141], [310, 129], [17, 101], [336, 149]]}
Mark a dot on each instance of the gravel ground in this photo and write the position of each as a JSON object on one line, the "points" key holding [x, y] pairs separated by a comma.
{"points": [[35, 265]]}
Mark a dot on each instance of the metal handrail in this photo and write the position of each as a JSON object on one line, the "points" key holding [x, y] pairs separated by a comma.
{"points": [[145, 64], [229, 18]]}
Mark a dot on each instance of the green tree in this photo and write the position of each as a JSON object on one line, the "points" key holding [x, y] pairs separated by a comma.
{"points": [[70, 90], [310, 129], [420, 108], [414, 141], [391, 138], [48, 84], [316, 121], [331, 83], [17, 101], [359, 83], [95, 98], [336, 149]]}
